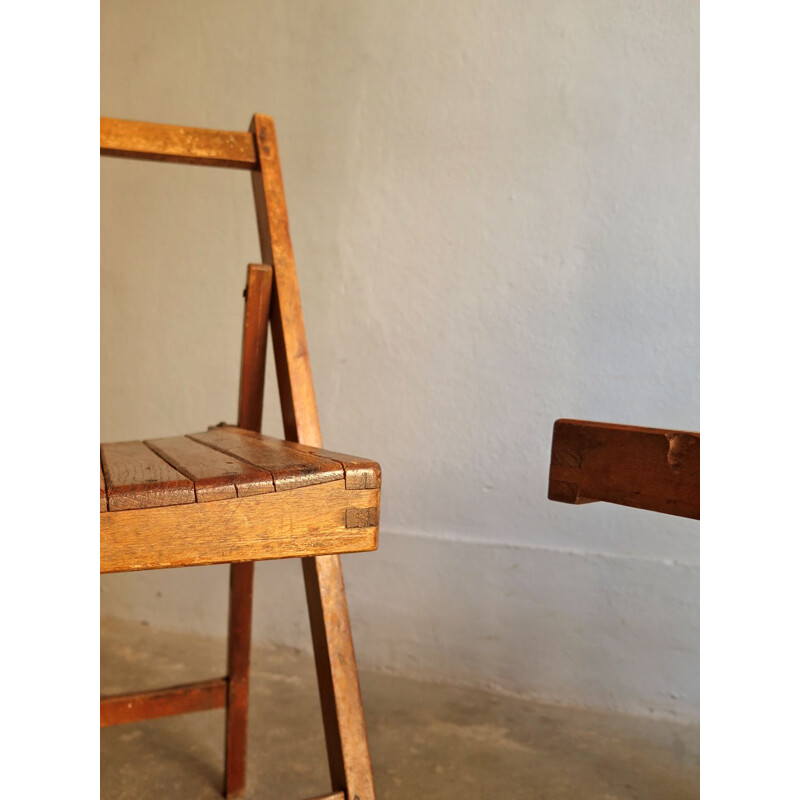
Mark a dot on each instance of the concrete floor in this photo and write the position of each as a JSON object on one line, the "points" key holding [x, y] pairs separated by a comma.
{"points": [[427, 740]]}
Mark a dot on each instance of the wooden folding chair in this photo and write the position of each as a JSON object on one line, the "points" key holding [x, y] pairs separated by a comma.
{"points": [[231, 495], [650, 468]]}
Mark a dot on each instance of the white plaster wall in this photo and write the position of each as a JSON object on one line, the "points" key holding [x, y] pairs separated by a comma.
{"points": [[494, 210]]}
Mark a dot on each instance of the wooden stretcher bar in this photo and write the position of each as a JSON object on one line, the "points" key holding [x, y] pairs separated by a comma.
{"points": [[155, 142]]}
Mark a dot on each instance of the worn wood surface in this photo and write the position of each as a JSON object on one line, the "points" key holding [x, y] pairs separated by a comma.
{"points": [[359, 473], [134, 707], [216, 476], [308, 521], [136, 477], [288, 331], [176, 143], [349, 761], [220, 464], [649, 468], [258, 295], [290, 468]]}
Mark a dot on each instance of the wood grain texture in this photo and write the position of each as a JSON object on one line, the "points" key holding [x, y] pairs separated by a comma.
{"points": [[359, 473], [288, 330], [361, 518], [308, 521], [178, 144], [220, 464], [216, 476], [258, 295], [349, 759], [137, 478], [201, 696], [290, 468], [650, 468]]}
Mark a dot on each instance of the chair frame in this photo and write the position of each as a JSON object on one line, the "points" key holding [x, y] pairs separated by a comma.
{"points": [[272, 298]]}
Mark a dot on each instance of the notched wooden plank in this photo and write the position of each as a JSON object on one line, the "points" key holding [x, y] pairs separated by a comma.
{"points": [[137, 478]]}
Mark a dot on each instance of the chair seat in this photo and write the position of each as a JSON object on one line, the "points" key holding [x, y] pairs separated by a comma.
{"points": [[160, 500]]}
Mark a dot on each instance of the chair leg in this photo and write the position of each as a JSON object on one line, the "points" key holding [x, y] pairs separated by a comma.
{"points": [[337, 676], [240, 616]]}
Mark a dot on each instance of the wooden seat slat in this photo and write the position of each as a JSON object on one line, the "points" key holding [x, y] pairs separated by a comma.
{"points": [[216, 475], [359, 473], [290, 468], [222, 463], [137, 478]]}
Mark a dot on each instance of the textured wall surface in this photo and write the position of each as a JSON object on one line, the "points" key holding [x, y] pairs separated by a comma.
{"points": [[494, 210]]}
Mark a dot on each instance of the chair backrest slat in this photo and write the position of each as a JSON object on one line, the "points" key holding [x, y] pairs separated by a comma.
{"points": [[155, 142]]}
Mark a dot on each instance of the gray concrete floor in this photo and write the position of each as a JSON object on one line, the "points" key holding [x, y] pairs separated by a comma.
{"points": [[427, 740]]}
